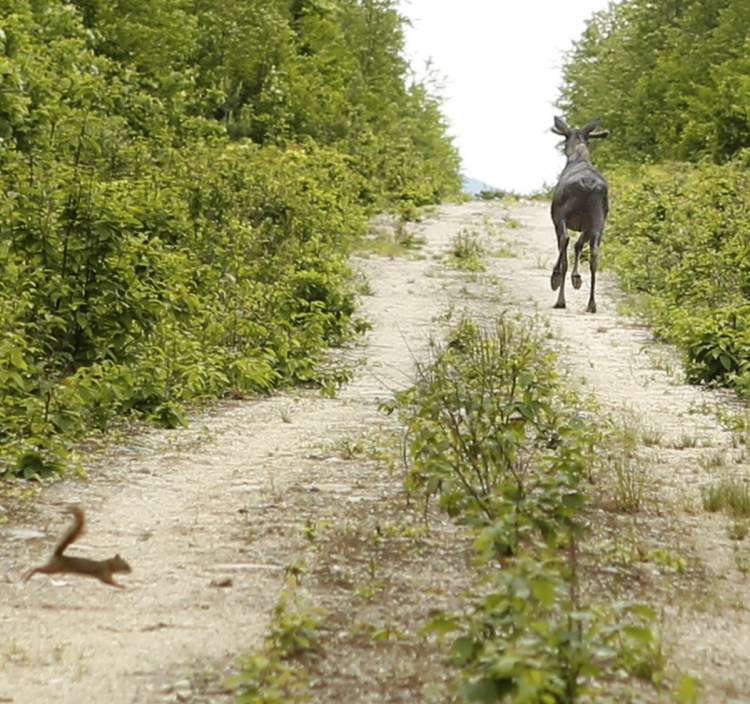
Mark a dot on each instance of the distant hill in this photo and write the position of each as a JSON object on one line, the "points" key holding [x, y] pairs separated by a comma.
{"points": [[474, 187]]}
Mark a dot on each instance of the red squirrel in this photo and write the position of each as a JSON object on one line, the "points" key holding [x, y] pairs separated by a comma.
{"points": [[101, 569]]}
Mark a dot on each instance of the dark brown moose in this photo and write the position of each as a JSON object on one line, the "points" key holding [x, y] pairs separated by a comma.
{"points": [[580, 202]]}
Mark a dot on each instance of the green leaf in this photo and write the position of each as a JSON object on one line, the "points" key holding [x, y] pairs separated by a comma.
{"points": [[639, 633], [442, 625], [484, 691], [462, 650], [688, 690], [543, 589]]}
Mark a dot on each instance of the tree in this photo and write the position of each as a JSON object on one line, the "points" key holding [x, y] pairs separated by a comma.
{"points": [[668, 77]]}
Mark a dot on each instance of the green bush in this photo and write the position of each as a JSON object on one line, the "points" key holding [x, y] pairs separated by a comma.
{"points": [[138, 303]]}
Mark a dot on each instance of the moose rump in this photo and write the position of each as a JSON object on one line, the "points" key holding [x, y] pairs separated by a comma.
{"points": [[580, 202]]}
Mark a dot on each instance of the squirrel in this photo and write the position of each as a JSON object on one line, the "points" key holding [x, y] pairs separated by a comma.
{"points": [[101, 569]]}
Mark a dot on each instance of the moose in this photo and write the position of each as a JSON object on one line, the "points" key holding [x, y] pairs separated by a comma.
{"points": [[580, 202]]}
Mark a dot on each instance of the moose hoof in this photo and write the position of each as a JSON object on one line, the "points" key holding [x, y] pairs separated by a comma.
{"points": [[556, 280], [576, 280], [560, 304], [591, 307]]}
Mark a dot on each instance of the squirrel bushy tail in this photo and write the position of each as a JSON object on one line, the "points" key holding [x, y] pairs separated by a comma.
{"points": [[73, 533]]}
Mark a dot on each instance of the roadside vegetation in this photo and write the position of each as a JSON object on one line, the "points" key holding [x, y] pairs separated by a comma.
{"points": [[181, 183], [681, 245]]}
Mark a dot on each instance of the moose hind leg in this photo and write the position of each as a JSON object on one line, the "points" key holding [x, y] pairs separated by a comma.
{"points": [[594, 265], [575, 276]]}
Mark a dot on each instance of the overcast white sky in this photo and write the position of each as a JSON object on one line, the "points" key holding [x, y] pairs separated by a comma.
{"points": [[500, 61]]}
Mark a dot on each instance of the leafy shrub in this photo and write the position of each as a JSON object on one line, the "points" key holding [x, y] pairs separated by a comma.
{"points": [[493, 434], [139, 304], [276, 673], [529, 640]]}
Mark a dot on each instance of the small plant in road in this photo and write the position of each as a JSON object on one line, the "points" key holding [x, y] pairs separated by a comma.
{"points": [[467, 250], [277, 674]]}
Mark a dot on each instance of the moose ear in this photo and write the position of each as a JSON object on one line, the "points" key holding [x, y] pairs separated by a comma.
{"points": [[588, 131], [560, 127], [592, 125]]}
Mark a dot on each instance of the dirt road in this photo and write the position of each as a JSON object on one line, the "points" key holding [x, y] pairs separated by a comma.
{"points": [[231, 500]]}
